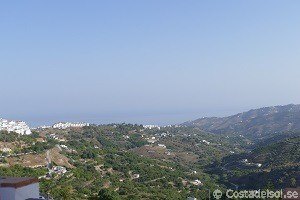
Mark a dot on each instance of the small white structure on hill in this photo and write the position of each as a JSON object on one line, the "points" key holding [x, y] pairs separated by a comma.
{"points": [[135, 176], [206, 142], [162, 145], [58, 170], [197, 182]]}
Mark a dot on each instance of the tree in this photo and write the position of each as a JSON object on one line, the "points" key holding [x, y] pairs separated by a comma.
{"points": [[293, 182], [64, 193], [108, 194]]}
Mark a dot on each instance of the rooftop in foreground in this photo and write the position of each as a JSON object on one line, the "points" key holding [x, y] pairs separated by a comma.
{"points": [[17, 182]]}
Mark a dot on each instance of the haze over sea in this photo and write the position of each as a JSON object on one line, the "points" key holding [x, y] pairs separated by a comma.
{"points": [[161, 119], [151, 62]]}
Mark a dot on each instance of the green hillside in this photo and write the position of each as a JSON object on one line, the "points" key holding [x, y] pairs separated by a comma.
{"points": [[276, 164], [254, 124]]}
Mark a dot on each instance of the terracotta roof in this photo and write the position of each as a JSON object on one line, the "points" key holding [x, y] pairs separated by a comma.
{"points": [[17, 182]]}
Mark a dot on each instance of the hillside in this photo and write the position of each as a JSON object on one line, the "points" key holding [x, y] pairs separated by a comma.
{"points": [[131, 161], [275, 138], [256, 123], [284, 153], [276, 163], [134, 162]]}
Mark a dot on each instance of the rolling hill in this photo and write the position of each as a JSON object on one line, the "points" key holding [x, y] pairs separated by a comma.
{"points": [[255, 124], [279, 164]]}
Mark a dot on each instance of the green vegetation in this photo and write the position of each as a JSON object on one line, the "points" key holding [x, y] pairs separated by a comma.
{"points": [[126, 161], [8, 137], [280, 165]]}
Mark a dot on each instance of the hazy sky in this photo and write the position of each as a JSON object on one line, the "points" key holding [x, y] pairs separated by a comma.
{"points": [[150, 61]]}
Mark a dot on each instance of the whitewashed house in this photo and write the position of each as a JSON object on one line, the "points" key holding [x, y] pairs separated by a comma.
{"points": [[19, 127], [65, 125]]}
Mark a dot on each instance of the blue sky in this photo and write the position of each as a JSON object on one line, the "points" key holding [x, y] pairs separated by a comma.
{"points": [[158, 61]]}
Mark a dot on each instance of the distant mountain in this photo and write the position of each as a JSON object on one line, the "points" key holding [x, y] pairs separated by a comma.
{"points": [[256, 123]]}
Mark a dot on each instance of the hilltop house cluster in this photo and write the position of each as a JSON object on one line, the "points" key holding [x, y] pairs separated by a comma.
{"points": [[151, 126], [19, 127], [65, 125]]}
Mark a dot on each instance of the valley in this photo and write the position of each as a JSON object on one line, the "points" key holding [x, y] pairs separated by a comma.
{"points": [[130, 161]]}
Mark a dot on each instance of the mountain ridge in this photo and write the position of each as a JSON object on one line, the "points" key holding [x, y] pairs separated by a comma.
{"points": [[255, 123]]}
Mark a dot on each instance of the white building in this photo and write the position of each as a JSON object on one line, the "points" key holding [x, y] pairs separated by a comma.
{"points": [[258, 164], [162, 145], [135, 176], [206, 142], [152, 141], [64, 125], [197, 182], [19, 188], [151, 126], [6, 149], [43, 127], [191, 198], [19, 127], [58, 170]]}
